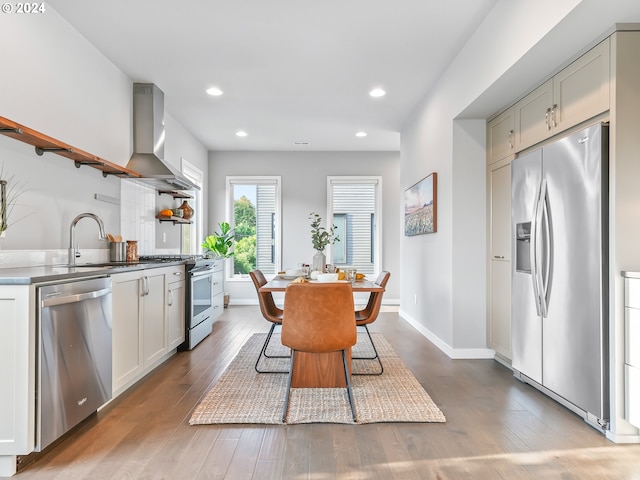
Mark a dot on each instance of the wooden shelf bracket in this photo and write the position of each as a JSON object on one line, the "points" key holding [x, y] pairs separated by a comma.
{"points": [[41, 151]]}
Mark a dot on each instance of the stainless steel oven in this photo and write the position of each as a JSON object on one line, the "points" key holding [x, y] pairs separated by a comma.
{"points": [[199, 304]]}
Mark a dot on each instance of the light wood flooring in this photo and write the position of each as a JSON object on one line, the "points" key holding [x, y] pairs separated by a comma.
{"points": [[497, 427]]}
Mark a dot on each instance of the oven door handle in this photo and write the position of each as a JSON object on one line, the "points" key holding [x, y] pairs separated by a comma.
{"points": [[200, 273]]}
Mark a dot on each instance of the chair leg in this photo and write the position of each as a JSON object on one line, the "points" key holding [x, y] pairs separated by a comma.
{"points": [[348, 380], [273, 327], [375, 357], [286, 398], [264, 349]]}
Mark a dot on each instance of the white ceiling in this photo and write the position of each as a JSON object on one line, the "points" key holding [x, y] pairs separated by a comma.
{"points": [[291, 70]]}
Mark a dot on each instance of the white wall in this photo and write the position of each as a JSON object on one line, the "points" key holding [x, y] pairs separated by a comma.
{"points": [[527, 42], [516, 47], [57, 83], [304, 190]]}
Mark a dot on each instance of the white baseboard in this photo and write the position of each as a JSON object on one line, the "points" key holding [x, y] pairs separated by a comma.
{"points": [[622, 438], [455, 353]]}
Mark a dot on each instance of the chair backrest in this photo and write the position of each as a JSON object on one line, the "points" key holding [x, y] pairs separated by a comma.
{"points": [[371, 311], [319, 317], [268, 306]]}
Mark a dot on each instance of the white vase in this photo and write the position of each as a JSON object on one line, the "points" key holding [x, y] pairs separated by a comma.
{"points": [[319, 261]]}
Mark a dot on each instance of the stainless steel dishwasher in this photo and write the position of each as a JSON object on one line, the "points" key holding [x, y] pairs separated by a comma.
{"points": [[74, 355]]}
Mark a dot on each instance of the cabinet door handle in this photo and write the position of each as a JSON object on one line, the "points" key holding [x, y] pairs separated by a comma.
{"points": [[498, 256], [177, 273], [547, 122], [509, 137], [145, 286], [170, 300], [554, 109]]}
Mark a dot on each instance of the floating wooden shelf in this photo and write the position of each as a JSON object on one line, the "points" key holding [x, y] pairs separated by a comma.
{"points": [[174, 194], [162, 218], [44, 143]]}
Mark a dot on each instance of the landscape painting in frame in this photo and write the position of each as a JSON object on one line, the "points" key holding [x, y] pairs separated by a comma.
{"points": [[420, 201]]}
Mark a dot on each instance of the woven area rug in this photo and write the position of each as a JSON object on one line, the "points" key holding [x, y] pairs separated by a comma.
{"points": [[243, 396]]}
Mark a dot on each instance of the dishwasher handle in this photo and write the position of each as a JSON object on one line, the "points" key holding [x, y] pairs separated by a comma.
{"points": [[75, 298]]}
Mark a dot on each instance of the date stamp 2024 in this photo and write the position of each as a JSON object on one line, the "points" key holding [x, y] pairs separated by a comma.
{"points": [[23, 8]]}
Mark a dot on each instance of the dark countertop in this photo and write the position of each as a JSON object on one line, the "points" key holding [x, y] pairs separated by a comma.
{"points": [[50, 273]]}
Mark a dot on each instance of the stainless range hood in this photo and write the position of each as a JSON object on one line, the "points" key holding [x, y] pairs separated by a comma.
{"points": [[148, 142]]}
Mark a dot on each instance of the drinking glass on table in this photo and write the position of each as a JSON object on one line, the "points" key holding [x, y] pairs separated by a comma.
{"points": [[350, 275]]}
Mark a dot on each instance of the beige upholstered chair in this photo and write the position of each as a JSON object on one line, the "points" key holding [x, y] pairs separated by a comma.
{"points": [[368, 315], [319, 318], [270, 312]]}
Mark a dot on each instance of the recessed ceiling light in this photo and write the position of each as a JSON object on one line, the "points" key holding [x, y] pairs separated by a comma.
{"points": [[241, 133], [361, 134], [214, 91], [377, 92]]}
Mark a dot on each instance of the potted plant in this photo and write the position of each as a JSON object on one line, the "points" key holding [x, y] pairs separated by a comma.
{"points": [[321, 237], [220, 245]]}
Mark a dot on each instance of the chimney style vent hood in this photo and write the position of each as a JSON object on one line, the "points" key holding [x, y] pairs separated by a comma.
{"points": [[148, 142]]}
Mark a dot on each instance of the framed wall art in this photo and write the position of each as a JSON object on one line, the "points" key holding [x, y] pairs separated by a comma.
{"points": [[420, 207]]}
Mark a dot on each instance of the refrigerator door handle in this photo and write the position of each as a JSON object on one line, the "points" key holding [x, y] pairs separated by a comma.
{"points": [[545, 273], [537, 272], [533, 252]]}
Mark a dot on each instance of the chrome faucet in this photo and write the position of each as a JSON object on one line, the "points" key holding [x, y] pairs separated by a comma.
{"points": [[73, 250]]}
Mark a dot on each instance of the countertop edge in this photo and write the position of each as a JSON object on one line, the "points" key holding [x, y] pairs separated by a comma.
{"points": [[52, 273]]}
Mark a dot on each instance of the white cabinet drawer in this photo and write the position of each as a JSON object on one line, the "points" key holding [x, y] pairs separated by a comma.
{"points": [[632, 395], [632, 336], [217, 281]]}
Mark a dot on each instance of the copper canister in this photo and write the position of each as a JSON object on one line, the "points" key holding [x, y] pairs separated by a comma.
{"points": [[132, 250]]}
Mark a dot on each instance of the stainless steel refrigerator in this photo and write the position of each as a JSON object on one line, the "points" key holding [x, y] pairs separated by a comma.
{"points": [[559, 297]]}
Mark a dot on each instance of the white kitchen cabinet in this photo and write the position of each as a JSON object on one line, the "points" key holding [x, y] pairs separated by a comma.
{"points": [[632, 349], [217, 289], [127, 329], [17, 373], [144, 331], [154, 324], [499, 301], [175, 299], [500, 136], [575, 94], [532, 123]]}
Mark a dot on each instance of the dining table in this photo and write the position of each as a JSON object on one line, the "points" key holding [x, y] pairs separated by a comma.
{"points": [[279, 284], [319, 370]]}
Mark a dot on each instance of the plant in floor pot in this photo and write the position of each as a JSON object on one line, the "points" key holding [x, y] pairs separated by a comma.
{"points": [[320, 238], [220, 245]]}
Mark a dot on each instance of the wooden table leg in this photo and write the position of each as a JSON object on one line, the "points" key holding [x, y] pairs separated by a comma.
{"points": [[319, 370]]}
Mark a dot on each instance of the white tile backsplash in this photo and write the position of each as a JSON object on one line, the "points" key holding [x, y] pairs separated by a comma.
{"points": [[137, 222]]}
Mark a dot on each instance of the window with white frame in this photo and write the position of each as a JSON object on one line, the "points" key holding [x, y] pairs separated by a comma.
{"points": [[253, 210], [354, 205]]}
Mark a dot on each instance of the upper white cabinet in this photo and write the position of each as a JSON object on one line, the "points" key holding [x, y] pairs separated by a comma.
{"points": [[500, 136], [578, 92]]}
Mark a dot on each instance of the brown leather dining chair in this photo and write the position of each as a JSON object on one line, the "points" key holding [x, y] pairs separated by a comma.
{"points": [[270, 312], [319, 318], [368, 315]]}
